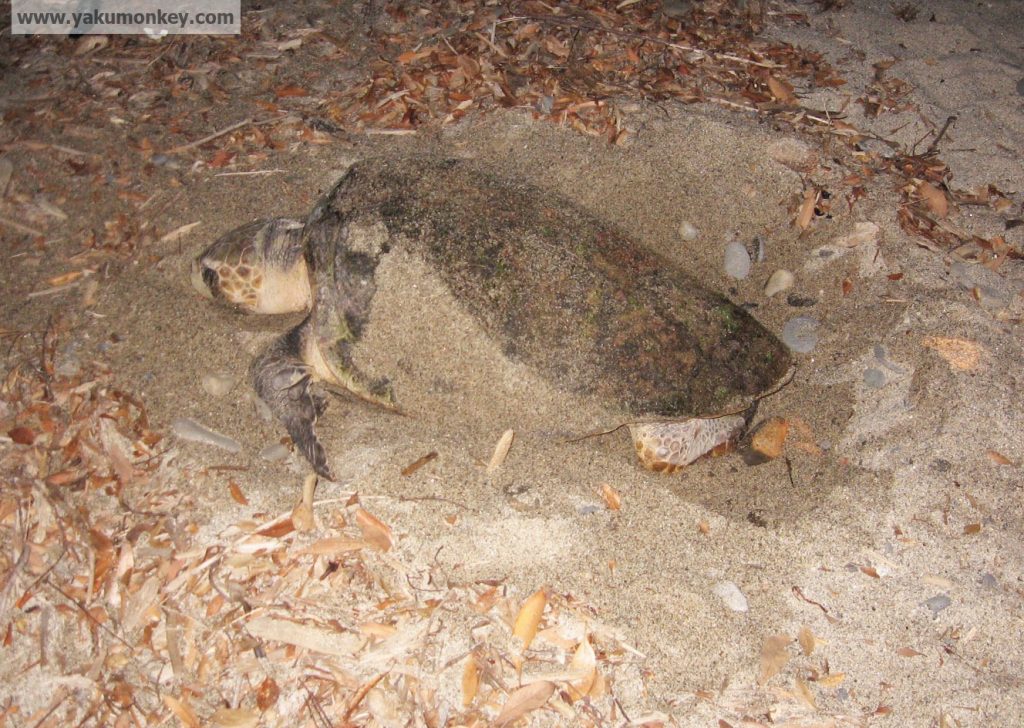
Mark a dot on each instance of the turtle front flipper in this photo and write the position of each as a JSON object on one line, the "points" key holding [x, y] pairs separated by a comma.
{"points": [[285, 382]]}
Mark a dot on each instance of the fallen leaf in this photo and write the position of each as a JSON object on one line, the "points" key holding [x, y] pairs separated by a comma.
{"points": [[803, 218], [234, 718], [934, 198], [972, 528], [804, 691], [908, 652], [807, 641], [770, 436], [501, 450], [375, 531], [961, 354], [774, 656], [283, 92], [470, 681], [832, 680], [182, 711], [782, 90], [583, 665], [870, 571], [267, 693], [22, 435], [611, 497], [65, 278], [528, 619], [236, 493], [524, 700], [998, 458]]}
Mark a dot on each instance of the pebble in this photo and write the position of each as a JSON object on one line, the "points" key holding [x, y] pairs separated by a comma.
{"points": [[737, 260], [218, 384], [988, 580], [937, 603], [779, 281], [688, 231], [191, 430], [797, 301], [731, 595], [274, 453], [801, 334], [874, 378]]}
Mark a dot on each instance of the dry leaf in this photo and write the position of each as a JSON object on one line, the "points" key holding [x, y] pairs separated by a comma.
{"points": [[806, 214], [234, 718], [375, 531], [870, 571], [182, 711], [323, 640], [584, 665], [972, 528], [236, 493], [704, 527], [832, 680], [284, 92], [470, 681], [524, 700], [961, 354], [782, 90], [804, 691], [998, 458], [22, 435], [333, 546], [934, 198], [529, 616], [774, 656], [65, 278], [267, 693], [770, 436], [501, 451], [611, 497], [807, 641], [908, 652]]}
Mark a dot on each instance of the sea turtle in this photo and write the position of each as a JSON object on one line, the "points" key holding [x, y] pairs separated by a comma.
{"points": [[560, 292]]}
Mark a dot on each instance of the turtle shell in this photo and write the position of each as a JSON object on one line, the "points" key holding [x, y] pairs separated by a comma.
{"points": [[559, 290]]}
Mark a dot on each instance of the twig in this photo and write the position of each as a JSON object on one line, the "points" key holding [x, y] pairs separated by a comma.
{"points": [[53, 291], [247, 174], [210, 137], [934, 146], [21, 228]]}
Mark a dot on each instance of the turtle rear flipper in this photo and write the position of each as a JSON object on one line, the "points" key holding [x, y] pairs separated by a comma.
{"points": [[285, 383]]}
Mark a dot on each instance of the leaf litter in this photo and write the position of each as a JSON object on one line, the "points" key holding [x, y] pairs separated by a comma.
{"points": [[263, 623]]}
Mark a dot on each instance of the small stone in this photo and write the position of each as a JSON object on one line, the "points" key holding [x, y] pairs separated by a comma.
{"points": [[688, 231], [797, 301], [874, 378], [801, 334], [779, 281], [191, 430], [729, 593], [588, 510], [937, 603], [217, 385], [737, 261], [274, 453]]}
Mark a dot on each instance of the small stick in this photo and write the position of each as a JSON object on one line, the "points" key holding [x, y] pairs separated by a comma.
{"points": [[20, 228], [210, 137], [933, 147]]}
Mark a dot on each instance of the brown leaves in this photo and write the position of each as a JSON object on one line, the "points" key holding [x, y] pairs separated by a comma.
{"points": [[524, 700], [774, 656], [528, 619], [375, 531]]}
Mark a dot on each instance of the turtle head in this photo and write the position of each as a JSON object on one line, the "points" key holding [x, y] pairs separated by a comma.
{"points": [[258, 268]]}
